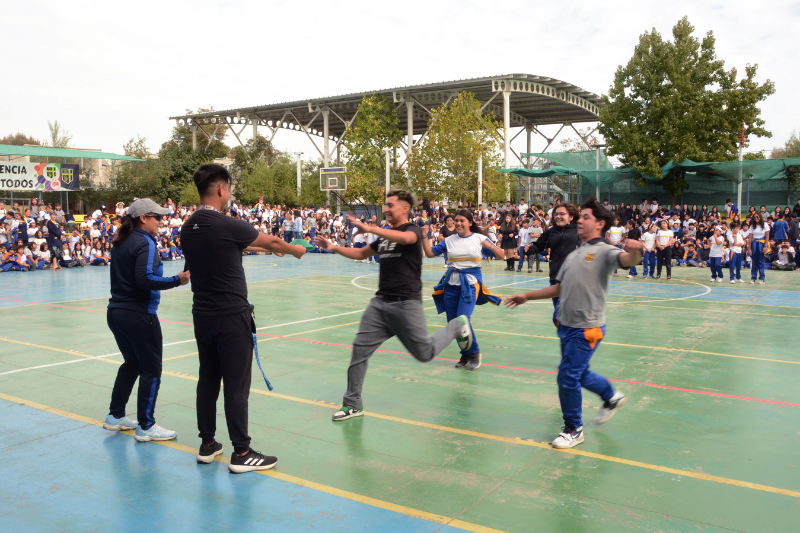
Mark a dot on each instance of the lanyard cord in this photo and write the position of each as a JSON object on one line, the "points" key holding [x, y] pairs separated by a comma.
{"points": [[255, 349]]}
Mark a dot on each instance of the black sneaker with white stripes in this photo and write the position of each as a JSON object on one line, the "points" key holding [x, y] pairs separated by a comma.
{"points": [[208, 452], [250, 461]]}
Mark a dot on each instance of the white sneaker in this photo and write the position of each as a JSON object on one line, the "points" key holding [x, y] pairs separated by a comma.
{"points": [[733, 281], [630, 276], [752, 281], [610, 408], [568, 438], [740, 280], [155, 432], [761, 282], [712, 280], [464, 338], [719, 280]]}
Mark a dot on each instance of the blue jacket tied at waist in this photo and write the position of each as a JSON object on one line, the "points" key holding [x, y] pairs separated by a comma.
{"points": [[480, 294]]}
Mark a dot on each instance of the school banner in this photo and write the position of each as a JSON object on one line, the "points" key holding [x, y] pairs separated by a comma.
{"points": [[38, 177]]}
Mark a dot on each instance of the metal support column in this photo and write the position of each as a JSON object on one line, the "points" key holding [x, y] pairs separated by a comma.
{"points": [[388, 172], [480, 179], [255, 131], [194, 137], [409, 133], [299, 178], [597, 176], [528, 132], [739, 186], [507, 135], [326, 143]]}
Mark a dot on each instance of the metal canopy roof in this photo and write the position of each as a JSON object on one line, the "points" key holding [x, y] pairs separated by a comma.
{"points": [[534, 101]]}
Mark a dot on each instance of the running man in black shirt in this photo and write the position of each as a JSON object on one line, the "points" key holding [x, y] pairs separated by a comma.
{"points": [[223, 318], [396, 309]]}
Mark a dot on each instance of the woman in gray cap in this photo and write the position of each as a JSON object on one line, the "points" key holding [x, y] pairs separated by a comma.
{"points": [[136, 284]]}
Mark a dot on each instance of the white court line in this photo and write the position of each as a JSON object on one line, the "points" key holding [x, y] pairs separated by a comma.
{"points": [[168, 344], [77, 360]]}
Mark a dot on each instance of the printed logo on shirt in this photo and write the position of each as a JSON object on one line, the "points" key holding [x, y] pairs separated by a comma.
{"points": [[589, 258]]}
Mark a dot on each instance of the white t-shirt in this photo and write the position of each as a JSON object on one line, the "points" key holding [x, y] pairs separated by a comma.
{"points": [[359, 237], [536, 232], [464, 252], [649, 240], [758, 232], [716, 245], [615, 234], [664, 235], [736, 242]]}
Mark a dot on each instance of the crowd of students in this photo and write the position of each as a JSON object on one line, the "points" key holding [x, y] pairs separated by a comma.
{"points": [[46, 237]]}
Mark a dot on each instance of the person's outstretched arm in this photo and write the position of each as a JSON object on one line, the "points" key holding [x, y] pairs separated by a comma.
{"points": [[553, 291], [271, 243], [400, 237], [350, 253]]}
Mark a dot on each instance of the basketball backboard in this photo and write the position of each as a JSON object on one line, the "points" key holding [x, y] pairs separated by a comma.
{"points": [[333, 179]]}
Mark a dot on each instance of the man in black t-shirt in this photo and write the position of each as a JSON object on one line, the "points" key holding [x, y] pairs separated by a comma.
{"points": [[396, 309], [223, 318]]}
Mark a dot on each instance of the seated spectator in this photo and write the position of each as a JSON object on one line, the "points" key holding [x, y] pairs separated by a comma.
{"points": [[14, 260], [97, 257], [784, 258], [690, 257]]}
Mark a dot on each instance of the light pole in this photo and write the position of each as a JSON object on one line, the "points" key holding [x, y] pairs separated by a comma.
{"points": [[388, 170], [298, 154], [597, 176]]}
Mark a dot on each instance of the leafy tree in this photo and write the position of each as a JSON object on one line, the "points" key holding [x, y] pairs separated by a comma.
{"points": [[791, 148], [374, 129], [18, 139], [444, 166], [59, 137], [258, 149], [674, 100]]}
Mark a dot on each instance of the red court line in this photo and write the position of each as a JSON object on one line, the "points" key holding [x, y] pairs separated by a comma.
{"points": [[707, 393]]}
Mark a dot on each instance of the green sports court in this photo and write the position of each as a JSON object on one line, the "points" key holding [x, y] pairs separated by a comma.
{"points": [[707, 442]]}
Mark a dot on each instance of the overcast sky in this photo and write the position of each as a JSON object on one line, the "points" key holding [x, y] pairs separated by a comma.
{"points": [[111, 70]]}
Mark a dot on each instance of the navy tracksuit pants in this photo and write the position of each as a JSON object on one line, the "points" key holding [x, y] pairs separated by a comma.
{"points": [[139, 339]]}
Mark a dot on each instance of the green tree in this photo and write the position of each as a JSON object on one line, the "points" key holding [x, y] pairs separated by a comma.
{"points": [[256, 150], [674, 100], [215, 149], [444, 166], [791, 148], [18, 139], [374, 129], [59, 136]]}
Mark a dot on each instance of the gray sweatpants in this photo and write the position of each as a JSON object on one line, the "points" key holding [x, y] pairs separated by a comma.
{"points": [[380, 322]]}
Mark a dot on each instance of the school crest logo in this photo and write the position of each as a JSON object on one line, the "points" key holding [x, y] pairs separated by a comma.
{"points": [[589, 258]]}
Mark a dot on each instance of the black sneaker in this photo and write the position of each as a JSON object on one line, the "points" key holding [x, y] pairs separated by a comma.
{"points": [[208, 452], [346, 412], [250, 461], [475, 362], [463, 362]]}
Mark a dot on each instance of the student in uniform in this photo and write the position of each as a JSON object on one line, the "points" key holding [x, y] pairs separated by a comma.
{"points": [[509, 231], [665, 238], [582, 285], [635, 235], [614, 235], [396, 309], [717, 242], [461, 288], [534, 235], [524, 241], [649, 263], [736, 242], [758, 243], [447, 230]]}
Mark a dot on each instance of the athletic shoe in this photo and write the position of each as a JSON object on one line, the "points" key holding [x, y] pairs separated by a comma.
{"points": [[568, 438], [733, 281], [530, 270], [719, 280], [658, 277], [250, 461], [464, 361], [346, 412], [119, 424], [465, 338], [630, 276], [475, 362], [644, 277], [155, 432], [540, 270], [444, 266], [740, 280], [519, 269], [610, 408], [669, 277], [752, 281], [712, 280], [761, 282], [208, 452]]}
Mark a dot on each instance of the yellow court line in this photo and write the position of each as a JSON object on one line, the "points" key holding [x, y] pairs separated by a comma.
{"points": [[638, 346], [511, 440], [71, 352], [409, 511]]}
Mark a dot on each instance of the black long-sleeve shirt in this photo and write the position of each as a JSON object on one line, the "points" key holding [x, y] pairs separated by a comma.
{"points": [[562, 241]]}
